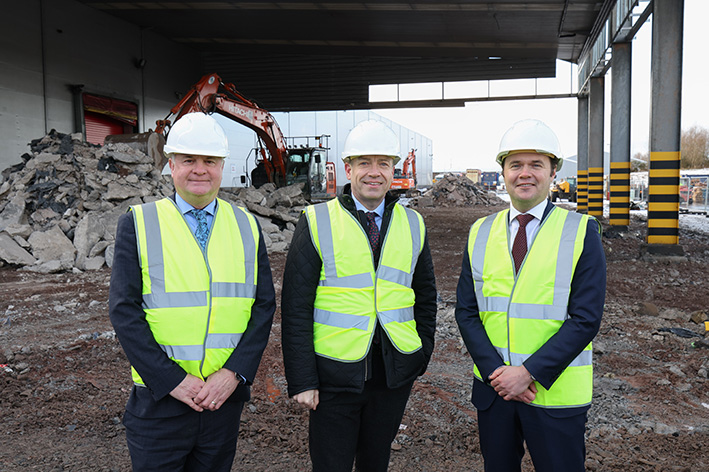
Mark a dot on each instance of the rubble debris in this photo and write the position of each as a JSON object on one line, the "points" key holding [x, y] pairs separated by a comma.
{"points": [[59, 207], [699, 316], [681, 332], [455, 191], [647, 309]]}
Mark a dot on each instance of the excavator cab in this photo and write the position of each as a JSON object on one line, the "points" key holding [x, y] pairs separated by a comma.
{"points": [[309, 166]]}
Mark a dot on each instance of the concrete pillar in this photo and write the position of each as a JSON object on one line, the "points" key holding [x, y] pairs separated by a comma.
{"points": [[595, 146], [582, 156], [620, 135], [665, 129]]}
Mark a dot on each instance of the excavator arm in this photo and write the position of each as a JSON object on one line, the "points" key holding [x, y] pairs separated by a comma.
{"points": [[410, 161], [211, 95]]}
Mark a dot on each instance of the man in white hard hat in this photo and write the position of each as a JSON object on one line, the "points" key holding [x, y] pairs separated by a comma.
{"points": [[192, 301], [358, 309], [530, 300]]}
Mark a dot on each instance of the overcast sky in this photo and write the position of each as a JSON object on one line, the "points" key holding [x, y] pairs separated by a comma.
{"points": [[468, 137]]}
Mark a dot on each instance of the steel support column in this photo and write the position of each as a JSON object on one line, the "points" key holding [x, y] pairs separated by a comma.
{"points": [[620, 135], [582, 156], [665, 129], [595, 146]]}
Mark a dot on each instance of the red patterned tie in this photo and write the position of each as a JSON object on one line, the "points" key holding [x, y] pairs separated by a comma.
{"points": [[519, 247], [372, 230]]}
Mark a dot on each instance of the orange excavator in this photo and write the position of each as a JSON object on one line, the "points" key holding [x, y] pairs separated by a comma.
{"points": [[278, 163], [405, 178]]}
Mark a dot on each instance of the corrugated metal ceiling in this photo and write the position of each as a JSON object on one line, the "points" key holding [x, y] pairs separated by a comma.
{"points": [[298, 55]]}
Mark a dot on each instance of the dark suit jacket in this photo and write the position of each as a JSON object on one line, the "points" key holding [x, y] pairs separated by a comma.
{"points": [[304, 369], [586, 300], [160, 374]]}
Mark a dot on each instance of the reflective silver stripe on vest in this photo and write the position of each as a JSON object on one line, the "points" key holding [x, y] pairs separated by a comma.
{"points": [[415, 237], [402, 315], [397, 276], [223, 340], [194, 352], [393, 275], [340, 320], [247, 240], [477, 264], [504, 353], [174, 299], [494, 303], [558, 310], [585, 358], [159, 298], [233, 290], [349, 281], [327, 251]]}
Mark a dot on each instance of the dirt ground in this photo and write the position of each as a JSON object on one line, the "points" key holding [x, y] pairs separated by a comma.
{"points": [[65, 380]]}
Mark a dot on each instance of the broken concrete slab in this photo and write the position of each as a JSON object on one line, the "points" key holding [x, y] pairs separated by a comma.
{"points": [[51, 245], [13, 253]]}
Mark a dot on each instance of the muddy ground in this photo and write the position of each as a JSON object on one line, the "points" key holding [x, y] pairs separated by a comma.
{"points": [[65, 380]]}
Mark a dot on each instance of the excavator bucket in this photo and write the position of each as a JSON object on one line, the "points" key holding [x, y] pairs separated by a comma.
{"points": [[150, 143]]}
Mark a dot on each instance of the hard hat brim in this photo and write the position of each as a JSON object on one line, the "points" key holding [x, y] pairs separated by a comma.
{"points": [[347, 159], [503, 155]]}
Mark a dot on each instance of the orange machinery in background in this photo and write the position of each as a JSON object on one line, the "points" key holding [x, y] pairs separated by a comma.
{"points": [[405, 178]]}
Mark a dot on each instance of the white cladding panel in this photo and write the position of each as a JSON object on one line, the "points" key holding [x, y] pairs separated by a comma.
{"points": [[336, 124]]}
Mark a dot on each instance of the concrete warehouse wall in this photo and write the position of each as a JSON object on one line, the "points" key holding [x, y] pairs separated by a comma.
{"points": [[48, 46], [336, 124]]}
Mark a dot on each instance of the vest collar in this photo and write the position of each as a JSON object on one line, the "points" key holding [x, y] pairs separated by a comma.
{"points": [[186, 207]]}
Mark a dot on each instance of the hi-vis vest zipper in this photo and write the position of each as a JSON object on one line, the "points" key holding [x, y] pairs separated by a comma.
{"points": [[351, 296], [521, 313], [197, 303]]}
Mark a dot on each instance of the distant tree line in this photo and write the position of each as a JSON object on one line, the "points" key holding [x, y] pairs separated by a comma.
{"points": [[694, 147]]}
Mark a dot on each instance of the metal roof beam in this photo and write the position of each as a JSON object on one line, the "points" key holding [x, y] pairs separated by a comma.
{"points": [[621, 25]]}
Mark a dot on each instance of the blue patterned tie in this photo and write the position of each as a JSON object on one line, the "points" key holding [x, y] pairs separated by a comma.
{"points": [[202, 231]]}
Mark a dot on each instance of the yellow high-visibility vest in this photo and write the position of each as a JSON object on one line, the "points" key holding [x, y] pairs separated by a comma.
{"points": [[521, 313], [351, 295], [197, 303]]}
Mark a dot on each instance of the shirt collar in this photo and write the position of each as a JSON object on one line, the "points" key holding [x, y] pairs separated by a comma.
{"points": [[379, 210], [186, 207], [537, 212]]}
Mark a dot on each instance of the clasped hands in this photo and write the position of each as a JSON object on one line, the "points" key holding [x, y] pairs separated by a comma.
{"points": [[203, 395], [513, 383]]}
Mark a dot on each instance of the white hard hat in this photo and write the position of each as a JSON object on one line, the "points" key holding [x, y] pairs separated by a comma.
{"points": [[371, 138], [197, 134], [531, 136]]}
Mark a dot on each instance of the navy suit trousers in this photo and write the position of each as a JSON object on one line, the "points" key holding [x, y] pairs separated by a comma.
{"points": [[190, 442], [555, 438]]}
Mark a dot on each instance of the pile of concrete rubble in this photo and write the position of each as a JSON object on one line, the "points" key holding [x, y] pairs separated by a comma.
{"points": [[60, 206], [455, 191]]}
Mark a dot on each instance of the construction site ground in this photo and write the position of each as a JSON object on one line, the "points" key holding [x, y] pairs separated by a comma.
{"points": [[65, 380]]}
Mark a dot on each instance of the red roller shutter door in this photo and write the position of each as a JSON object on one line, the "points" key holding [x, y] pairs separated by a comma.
{"points": [[100, 126], [104, 116]]}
